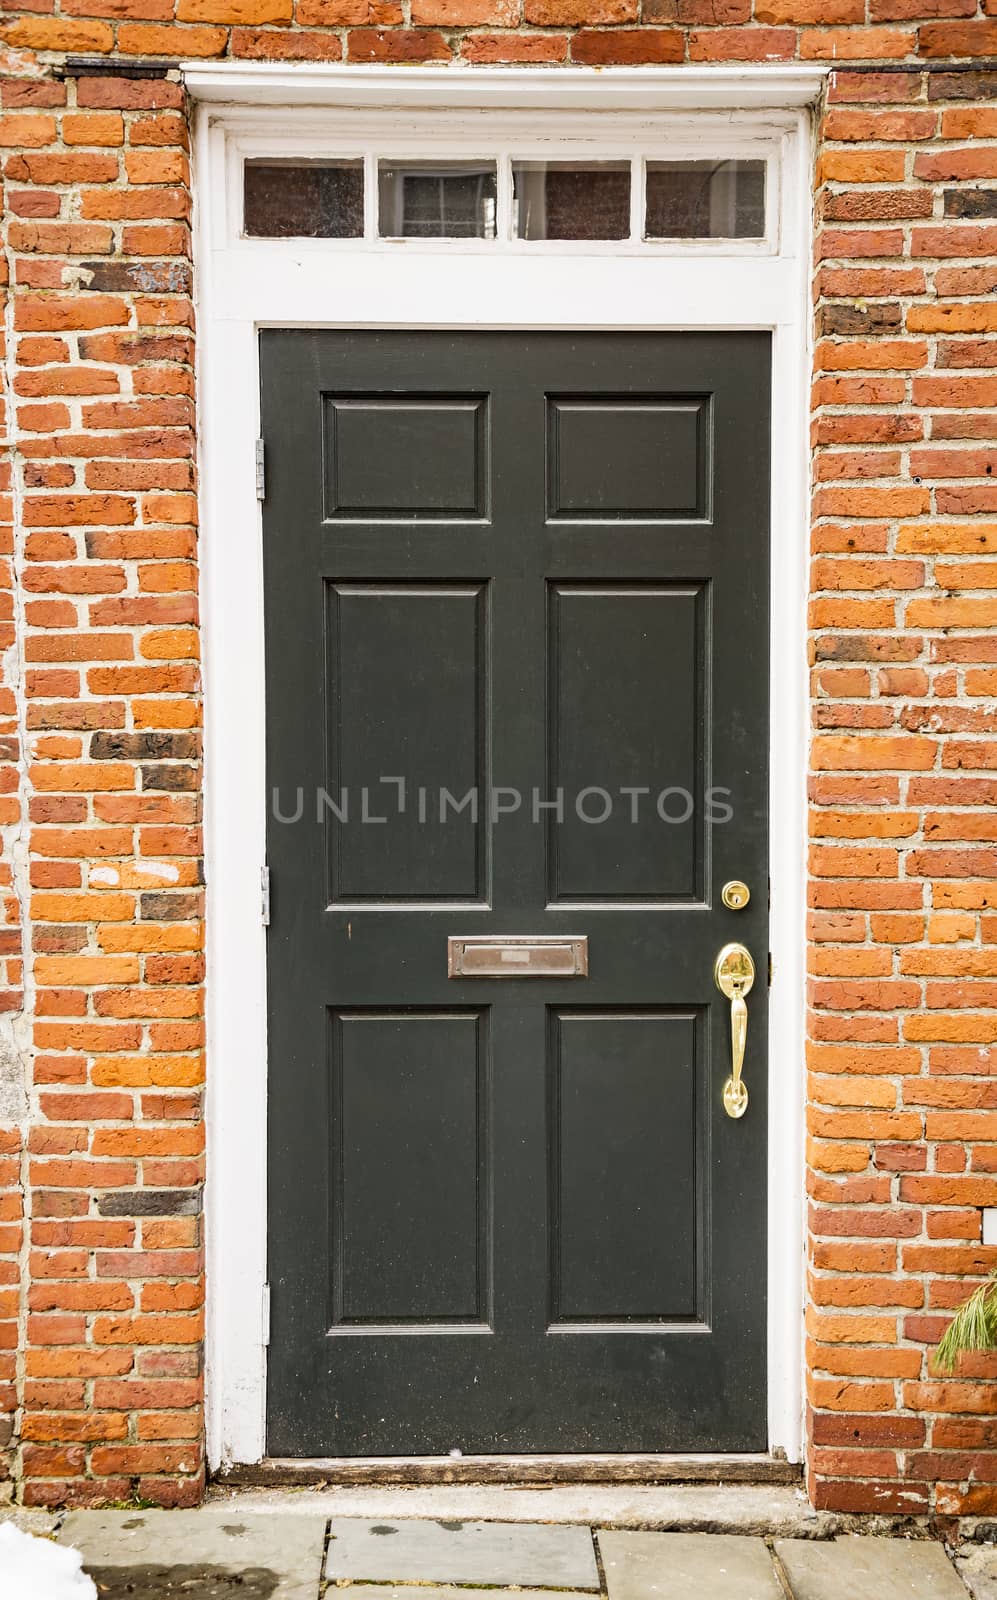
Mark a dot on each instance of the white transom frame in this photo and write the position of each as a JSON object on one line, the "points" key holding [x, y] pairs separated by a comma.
{"points": [[245, 285], [503, 138]]}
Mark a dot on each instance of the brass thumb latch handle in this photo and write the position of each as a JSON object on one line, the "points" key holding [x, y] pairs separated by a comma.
{"points": [[734, 973]]}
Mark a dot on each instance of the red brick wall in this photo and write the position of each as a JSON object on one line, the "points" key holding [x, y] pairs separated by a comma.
{"points": [[108, 1386], [12, 1070], [903, 1098], [101, 823]]}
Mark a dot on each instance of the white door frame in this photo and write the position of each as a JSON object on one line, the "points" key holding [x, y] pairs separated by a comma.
{"points": [[243, 285]]}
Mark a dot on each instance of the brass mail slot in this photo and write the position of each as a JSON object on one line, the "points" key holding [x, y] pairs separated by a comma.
{"points": [[519, 956]]}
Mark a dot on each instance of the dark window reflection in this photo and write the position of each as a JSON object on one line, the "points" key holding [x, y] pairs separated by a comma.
{"points": [[705, 200], [309, 199], [571, 200], [425, 200]]}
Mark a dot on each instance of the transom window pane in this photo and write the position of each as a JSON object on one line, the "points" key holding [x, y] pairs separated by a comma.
{"points": [[303, 199], [571, 199], [705, 200], [426, 200]]}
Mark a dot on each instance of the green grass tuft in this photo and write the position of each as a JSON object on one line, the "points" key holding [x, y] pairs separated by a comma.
{"points": [[973, 1328]]}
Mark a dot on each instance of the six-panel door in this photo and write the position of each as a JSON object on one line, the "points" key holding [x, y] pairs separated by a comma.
{"points": [[517, 681]]}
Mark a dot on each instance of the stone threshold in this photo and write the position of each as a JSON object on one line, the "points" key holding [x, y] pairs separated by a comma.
{"points": [[404, 1471], [769, 1510]]}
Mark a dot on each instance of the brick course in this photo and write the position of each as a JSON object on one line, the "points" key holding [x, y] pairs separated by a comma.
{"points": [[101, 1270]]}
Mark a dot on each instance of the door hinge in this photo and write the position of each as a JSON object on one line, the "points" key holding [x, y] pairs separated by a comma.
{"points": [[770, 969], [265, 896], [261, 471], [265, 1330]]}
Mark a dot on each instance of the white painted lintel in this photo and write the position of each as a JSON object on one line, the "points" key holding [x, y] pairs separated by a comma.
{"points": [[750, 86]]}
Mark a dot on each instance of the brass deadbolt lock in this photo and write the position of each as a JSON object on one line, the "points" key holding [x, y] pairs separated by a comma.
{"points": [[735, 895]]}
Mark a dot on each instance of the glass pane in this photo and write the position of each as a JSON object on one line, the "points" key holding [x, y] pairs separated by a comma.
{"points": [[705, 200], [571, 199], [426, 200], [303, 199]]}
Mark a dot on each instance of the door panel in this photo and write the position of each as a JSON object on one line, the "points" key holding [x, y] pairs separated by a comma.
{"points": [[614, 459], [626, 704], [517, 675], [413, 457], [626, 1129], [410, 1158], [385, 724]]}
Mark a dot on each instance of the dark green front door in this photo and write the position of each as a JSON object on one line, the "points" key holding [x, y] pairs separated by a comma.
{"points": [[517, 684]]}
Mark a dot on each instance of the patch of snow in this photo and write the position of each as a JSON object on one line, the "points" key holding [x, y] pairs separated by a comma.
{"points": [[37, 1569]]}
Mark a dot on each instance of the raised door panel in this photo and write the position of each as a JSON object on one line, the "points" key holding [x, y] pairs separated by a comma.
{"points": [[627, 742], [406, 701], [417, 457], [410, 1169], [623, 460], [627, 1131]]}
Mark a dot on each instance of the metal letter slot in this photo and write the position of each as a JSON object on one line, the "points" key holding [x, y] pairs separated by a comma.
{"points": [[734, 974], [519, 955]]}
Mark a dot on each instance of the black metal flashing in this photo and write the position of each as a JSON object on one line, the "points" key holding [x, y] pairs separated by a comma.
{"points": [[112, 67]]}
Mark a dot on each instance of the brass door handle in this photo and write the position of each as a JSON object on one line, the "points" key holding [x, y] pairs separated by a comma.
{"points": [[734, 973]]}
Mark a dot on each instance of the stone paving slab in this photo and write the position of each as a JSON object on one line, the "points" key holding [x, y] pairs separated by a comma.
{"points": [[688, 1566], [429, 1591], [529, 1555], [258, 1557], [40, 1523], [976, 1564], [859, 1567]]}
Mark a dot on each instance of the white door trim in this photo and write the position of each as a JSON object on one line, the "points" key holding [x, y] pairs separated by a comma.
{"points": [[243, 285]]}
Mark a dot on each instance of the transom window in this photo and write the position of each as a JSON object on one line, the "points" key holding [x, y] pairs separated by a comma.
{"points": [[511, 198]]}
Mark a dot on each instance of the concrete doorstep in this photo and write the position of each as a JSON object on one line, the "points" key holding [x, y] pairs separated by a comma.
{"points": [[235, 1551]]}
